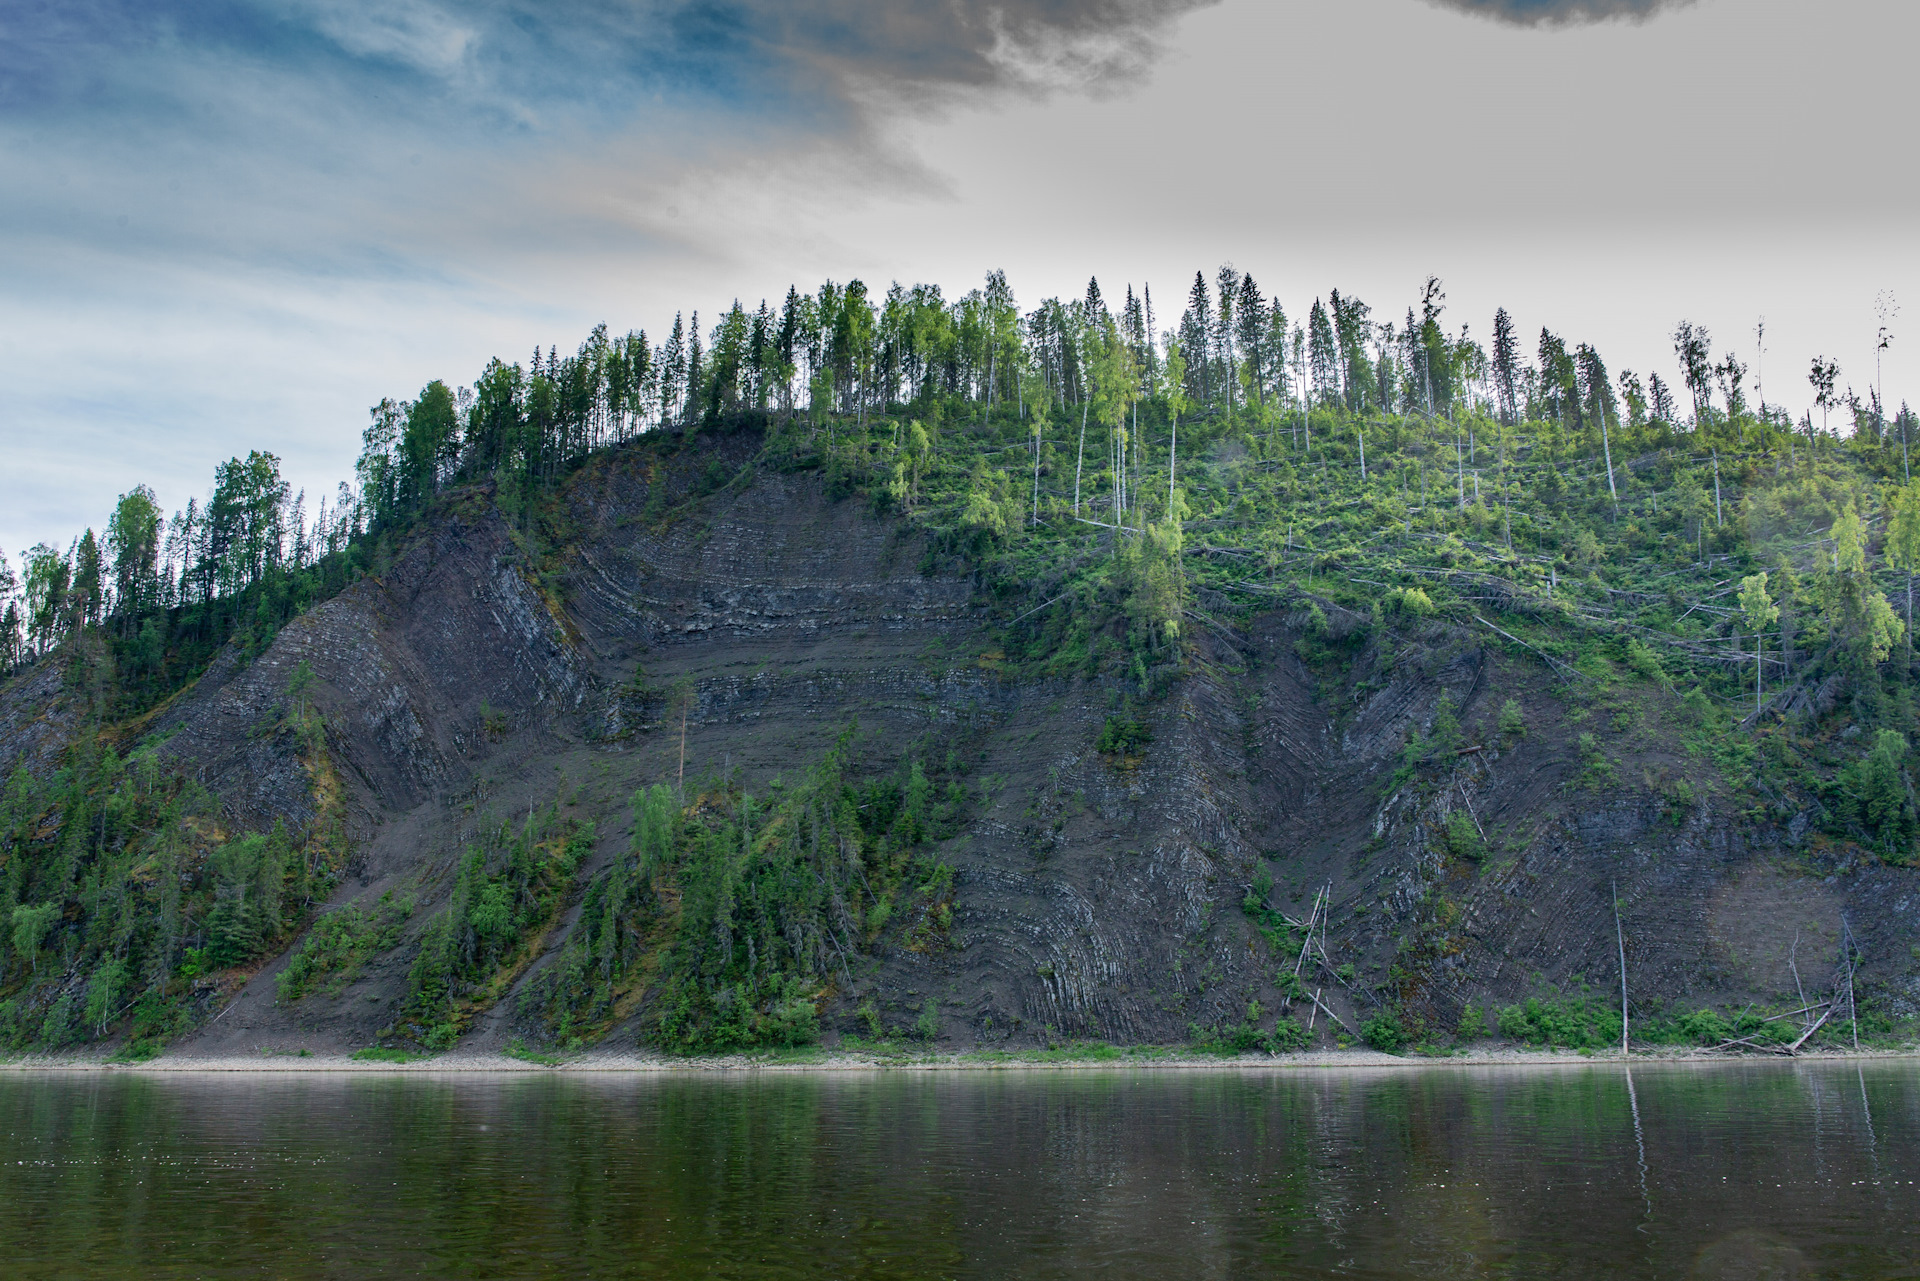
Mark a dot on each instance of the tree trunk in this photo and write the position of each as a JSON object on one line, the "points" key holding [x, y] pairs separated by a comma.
{"points": [[1717, 521], [1173, 456], [1036, 477], [1607, 446], [1081, 459]]}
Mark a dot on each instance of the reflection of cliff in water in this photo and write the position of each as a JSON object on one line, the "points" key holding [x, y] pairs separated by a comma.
{"points": [[1764, 1170]]}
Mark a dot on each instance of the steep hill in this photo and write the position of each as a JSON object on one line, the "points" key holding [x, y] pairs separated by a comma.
{"points": [[886, 805]]}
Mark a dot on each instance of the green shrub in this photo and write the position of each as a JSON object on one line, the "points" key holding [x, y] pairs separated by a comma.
{"points": [[1512, 723], [1410, 600], [1230, 1038], [1123, 737], [1707, 1027], [1288, 1037], [1576, 1023], [1462, 838], [1473, 1022], [339, 943], [1647, 664], [1384, 1032]]}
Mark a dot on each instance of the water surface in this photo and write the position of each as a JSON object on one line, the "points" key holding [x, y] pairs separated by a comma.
{"points": [[1761, 1170]]}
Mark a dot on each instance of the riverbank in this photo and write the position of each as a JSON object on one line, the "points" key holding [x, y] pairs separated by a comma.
{"points": [[1070, 1059]]}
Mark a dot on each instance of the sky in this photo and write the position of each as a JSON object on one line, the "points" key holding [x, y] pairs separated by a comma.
{"points": [[234, 224]]}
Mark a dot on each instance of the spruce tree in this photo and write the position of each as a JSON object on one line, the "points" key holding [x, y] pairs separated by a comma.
{"points": [[1226, 362], [1250, 320], [1506, 367], [1323, 352], [1196, 337]]}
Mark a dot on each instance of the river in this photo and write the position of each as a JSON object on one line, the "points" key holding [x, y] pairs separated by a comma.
{"points": [[1678, 1170]]}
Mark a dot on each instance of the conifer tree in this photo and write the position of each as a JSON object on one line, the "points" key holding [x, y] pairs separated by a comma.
{"points": [[1275, 344], [1557, 386], [1225, 361], [1351, 329], [1251, 324], [696, 373], [1323, 352], [1660, 400], [1196, 336], [10, 620], [1506, 368]]}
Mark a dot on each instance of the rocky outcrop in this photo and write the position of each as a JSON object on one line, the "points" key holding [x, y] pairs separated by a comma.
{"points": [[1095, 895]]}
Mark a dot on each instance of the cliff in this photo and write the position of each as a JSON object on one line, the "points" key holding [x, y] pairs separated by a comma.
{"points": [[1439, 821]]}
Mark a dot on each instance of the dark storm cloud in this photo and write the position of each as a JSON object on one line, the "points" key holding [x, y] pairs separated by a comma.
{"points": [[519, 65], [1533, 13]]}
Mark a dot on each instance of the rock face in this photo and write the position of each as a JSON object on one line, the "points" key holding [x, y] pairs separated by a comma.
{"points": [[1097, 896]]}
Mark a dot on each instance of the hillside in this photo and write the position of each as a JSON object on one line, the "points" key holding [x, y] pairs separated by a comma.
{"points": [[947, 721]]}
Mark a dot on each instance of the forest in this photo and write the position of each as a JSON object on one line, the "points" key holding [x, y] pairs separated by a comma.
{"points": [[1118, 486]]}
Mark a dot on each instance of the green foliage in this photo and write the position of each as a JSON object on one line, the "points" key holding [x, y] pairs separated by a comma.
{"points": [[517, 1048], [1273, 926], [1598, 768], [1473, 1022], [250, 882], [1425, 749], [1245, 1037], [1462, 839], [1411, 601], [1710, 1027], [118, 890], [1876, 794], [1646, 664], [339, 943], [1124, 737], [777, 897], [507, 893], [122, 889], [1573, 1022], [1384, 1032], [1288, 1037], [387, 1054]]}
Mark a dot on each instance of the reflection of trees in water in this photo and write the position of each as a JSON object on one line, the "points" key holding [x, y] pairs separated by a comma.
{"points": [[1672, 1170]]}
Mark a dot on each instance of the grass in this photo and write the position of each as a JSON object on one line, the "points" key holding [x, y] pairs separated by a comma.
{"points": [[387, 1054], [518, 1049]]}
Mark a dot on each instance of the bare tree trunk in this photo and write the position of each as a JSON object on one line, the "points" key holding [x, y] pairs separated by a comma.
{"points": [[1620, 940], [1080, 461], [1718, 522], [1036, 475], [1607, 447]]}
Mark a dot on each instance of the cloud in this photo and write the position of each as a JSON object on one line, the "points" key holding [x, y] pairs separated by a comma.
{"points": [[517, 62], [271, 210], [313, 135], [1536, 13]]}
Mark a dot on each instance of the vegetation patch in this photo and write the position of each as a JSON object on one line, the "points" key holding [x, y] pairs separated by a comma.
{"points": [[731, 921], [508, 892], [339, 943]]}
